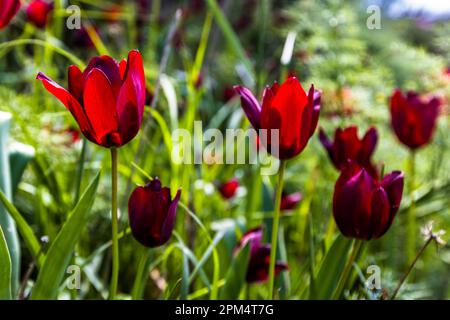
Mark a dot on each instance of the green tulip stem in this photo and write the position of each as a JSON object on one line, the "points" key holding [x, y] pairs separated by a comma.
{"points": [[114, 227], [275, 227], [411, 215], [347, 269]]}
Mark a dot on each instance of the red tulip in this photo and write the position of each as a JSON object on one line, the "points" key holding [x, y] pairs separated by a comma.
{"points": [[258, 266], [107, 99], [229, 188], [363, 207], [347, 145], [37, 12], [290, 201], [286, 108], [152, 211], [413, 119], [8, 9]]}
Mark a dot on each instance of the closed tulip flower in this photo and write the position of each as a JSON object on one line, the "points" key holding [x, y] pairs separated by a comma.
{"points": [[258, 266], [347, 145], [8, 9], [107, 99], [229, 188], [413, 118], [152, 211], [286, 108], [37, 12], [363, 207]]}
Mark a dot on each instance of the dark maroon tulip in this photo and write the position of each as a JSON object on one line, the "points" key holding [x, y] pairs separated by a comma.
{"points": [[347, 145], [258, 266], [414, 118], [151, 211], [286, 108], [229, 188], [8, 9], [37, 12], [363, 207], [290, 201]]}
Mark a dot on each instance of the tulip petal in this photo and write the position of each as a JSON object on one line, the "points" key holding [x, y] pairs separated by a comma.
{"points": [[9, 10], [122, 68], [131, 100], [75, 80], [393, 185], [169, 222], [380, 220], [250, 105], [287, 111], [290, 201], [134, 78], [109, 67], [99, 105], [369, 142], [71, 104], [314, 97], [254, 237]]}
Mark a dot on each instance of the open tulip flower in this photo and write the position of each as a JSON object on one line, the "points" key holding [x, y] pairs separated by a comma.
{"points": [[286, 108], [37, 12], [363, 207], [347, 145], [258, 266], [413, 118], [106, 99], [8, 9], [152, 211]]}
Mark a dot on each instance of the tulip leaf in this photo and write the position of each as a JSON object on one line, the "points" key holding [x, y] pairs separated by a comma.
{"points": [[331, 268], [6, 222], [5, 269], [19, 157], [60, 252], [24, 228], [235, 277]]}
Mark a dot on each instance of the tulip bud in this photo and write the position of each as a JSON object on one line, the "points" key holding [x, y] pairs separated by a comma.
{"points": [[347, 145], [363, 207], [258, 266], [413, 119], [152, 211], [229, 188]]}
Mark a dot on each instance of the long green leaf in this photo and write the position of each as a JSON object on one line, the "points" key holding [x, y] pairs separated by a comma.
{"points": [[19, 156], [5, 269], [24, 228], [6, 222], [235, 277], [331, 268], [60, 252]]}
